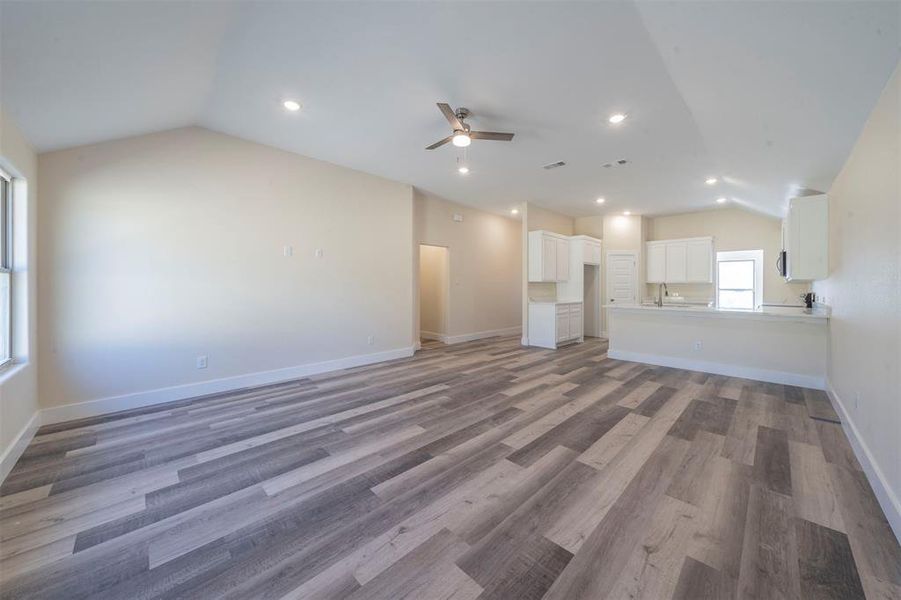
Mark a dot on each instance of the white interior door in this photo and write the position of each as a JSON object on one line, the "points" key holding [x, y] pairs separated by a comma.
{"points": [[621, 278]]}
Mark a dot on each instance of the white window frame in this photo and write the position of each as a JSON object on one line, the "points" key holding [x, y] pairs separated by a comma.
{"points": [[6, 260], [741, 255]]}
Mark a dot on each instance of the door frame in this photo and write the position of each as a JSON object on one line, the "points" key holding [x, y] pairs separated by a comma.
{"points": [[637, 289], [441, 337]]}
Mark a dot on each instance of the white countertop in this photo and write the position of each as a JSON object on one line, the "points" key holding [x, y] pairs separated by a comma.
{"points": [[766, 312], [554, 301]]}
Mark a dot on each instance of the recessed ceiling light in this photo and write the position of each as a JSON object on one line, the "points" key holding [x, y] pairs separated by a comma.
{"points": [[291, 105], [721, 200], [627, 212], [710, 180], [617, 118], [461, 139], [600, 200], [514, 211], [462, 169]]}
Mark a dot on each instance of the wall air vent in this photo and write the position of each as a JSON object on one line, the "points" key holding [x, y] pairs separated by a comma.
{"points": [[553, 165]]}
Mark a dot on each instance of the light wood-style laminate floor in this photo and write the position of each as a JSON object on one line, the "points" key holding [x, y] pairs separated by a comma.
{"points": [[480, 470]]}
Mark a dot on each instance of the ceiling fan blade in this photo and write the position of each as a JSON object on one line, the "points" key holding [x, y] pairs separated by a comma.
{"points": [[491, 135], [448, 113], [440, 143]]}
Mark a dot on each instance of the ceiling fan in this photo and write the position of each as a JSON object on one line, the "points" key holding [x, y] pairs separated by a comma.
{"points": [[462, 135]]}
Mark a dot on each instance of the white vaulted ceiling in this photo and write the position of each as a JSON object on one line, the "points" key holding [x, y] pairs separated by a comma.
{"points": [[767, 96]]}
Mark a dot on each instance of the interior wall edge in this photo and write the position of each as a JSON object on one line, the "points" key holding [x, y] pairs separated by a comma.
{"points": [[13, 452], [888, 499], [757, 374], [102, 406]]}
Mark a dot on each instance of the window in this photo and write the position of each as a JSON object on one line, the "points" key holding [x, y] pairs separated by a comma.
{"points": [[739, 279], [6, 202]]}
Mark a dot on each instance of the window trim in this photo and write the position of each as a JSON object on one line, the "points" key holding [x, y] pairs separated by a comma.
{"points": [[735, 256], [6, 262]]}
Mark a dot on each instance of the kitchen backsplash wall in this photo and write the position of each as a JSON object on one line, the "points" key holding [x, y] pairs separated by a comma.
{"points": [[732, 229]]}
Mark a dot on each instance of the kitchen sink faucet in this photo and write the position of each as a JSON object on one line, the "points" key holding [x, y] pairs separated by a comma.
{"points": [[661, 290]]}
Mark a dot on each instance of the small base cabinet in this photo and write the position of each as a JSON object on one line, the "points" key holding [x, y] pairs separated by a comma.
{"points": [[554, 324]]}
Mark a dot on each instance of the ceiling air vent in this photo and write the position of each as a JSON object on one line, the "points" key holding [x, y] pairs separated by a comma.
{"points": [[553, 165]]}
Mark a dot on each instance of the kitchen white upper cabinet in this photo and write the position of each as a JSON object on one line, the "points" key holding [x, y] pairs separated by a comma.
{"points": [[562, 260], [656, 262], [591, 250], [699, 261], [806, 238], [548, 257], [680, 261], [676, 268]]}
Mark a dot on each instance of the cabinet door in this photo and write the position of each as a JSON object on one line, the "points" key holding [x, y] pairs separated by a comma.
{"points": [[699, 261], [676, 262], [548, 258], [562, 260], [575, 321], [656, 263], [591, 253], [809, 231], [562, 323]]}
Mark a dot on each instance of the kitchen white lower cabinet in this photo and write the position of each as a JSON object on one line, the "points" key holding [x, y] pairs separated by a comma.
{"points": [[553, 324]]}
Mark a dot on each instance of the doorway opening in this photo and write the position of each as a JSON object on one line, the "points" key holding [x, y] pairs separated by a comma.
{"points": [[591, 300], [434, 293]]}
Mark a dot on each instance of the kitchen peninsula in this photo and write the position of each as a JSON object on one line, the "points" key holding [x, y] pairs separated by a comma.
{"points": [[777, 344]]}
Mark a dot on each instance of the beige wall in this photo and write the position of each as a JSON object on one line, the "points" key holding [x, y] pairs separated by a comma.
{"points": [[160, 248], [593, 226], [433, 289], [548, 220], [18, 384], [485, 263], [864, 290], [732, 229]]}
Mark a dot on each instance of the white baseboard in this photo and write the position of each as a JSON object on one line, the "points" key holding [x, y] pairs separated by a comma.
{"points": [[887, 498], [771, 376], [468, 337], [478, 335], [12, 453], [102, 406]]}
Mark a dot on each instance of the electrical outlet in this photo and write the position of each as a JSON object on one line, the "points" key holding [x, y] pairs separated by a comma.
{"points": [[370, 340], [856, 400], [697, 345], [318, 253], [201, 362], [289, 251]]}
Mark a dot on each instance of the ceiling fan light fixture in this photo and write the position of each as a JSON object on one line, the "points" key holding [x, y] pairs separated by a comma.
{"points": [[461, 139], [291, 105], [617, 118]]}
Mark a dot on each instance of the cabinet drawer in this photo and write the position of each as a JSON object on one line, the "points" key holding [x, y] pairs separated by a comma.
{"points": [[563, 309]]}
